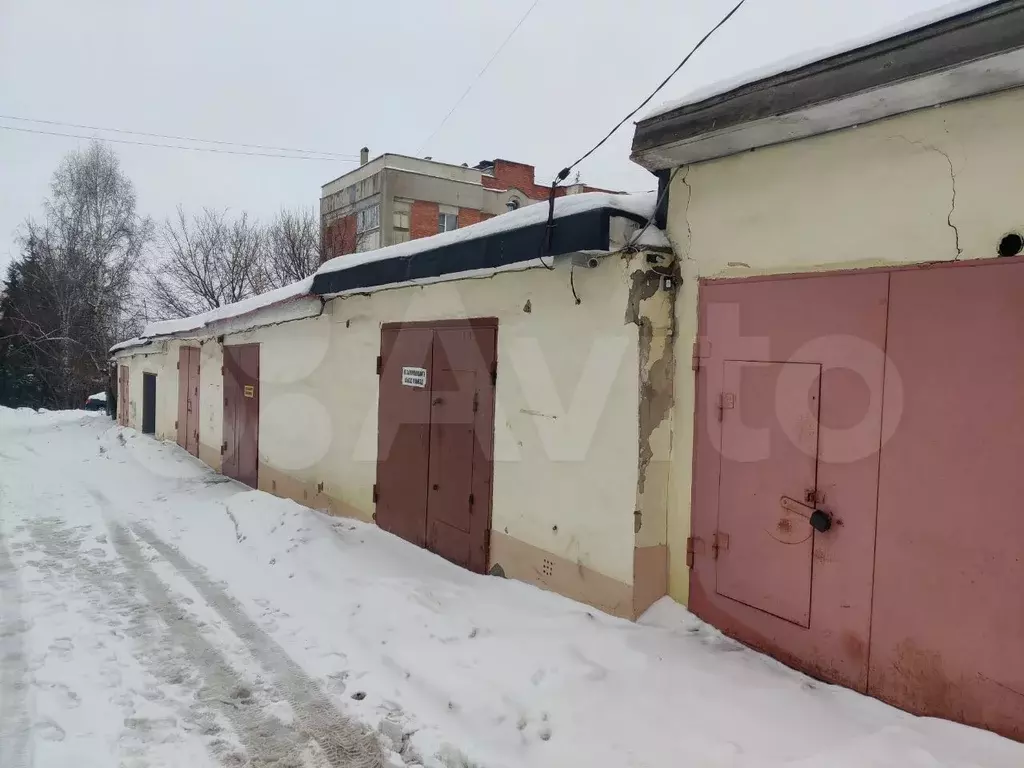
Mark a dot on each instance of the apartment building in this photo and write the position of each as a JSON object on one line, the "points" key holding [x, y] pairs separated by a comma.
{"points": [[394, 198]]}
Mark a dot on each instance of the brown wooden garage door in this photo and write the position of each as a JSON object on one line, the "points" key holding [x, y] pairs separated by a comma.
{"points": [[886, 407], [240, 448], [188, 399], [123, 403], [436, 435]]}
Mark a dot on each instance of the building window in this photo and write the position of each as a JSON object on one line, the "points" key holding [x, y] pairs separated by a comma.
{"points": [[368, 218], [447, 222], [368, 242], [400, 221]]}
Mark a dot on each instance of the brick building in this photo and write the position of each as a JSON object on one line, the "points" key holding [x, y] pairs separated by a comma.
{"points": [[394, 198]]}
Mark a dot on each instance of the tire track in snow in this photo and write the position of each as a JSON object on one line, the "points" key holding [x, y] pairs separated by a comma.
{"points": [[266, 739], [15, 730], [346, 742], [172, 647]]}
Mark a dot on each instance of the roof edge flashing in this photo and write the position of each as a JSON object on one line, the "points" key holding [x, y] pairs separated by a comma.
{"points": [[956, 44]]}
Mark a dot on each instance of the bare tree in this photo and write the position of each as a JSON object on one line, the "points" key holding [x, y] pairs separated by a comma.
{"points": [[76, 276], [206, 262], [293, 247]]}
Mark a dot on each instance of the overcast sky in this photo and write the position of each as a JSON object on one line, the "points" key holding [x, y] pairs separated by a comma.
{"points": [[333, 75]]}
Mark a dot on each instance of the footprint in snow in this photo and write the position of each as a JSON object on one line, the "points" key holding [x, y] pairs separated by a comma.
{"points": [[49, 730]]}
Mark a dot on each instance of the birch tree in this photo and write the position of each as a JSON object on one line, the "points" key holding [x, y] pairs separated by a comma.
{"points": [[75, 282]]}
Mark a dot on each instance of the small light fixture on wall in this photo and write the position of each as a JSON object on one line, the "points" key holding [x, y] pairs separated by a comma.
{"points": [[512, 204]]}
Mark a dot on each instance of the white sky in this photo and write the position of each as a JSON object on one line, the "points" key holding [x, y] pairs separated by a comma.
{"points": [[335, 75]]}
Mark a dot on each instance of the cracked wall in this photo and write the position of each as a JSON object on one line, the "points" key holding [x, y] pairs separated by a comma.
{"points": [[653, 279], [932, 185]]}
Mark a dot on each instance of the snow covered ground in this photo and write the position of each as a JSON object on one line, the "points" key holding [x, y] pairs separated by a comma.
{"points": [[153, 613]]}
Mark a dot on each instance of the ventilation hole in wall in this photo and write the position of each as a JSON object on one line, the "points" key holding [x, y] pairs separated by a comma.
{"points": [[1011, 244], [547, 567]]}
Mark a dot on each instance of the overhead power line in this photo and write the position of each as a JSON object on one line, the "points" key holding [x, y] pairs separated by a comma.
{"points": [[179, 138], [479, 75], [565, 171], [176, 146]]}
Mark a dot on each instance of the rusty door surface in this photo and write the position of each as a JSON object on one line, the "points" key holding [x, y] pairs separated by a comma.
{"points": [[188, 399], [240, 448], [435, 437], [764, 548], [123, 404], [761, 572], [948, 628]]}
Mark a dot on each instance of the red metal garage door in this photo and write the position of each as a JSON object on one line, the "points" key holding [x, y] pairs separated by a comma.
{"points": [[948, 624], [764, 549], [912, 592], [188, 399], [788, 421], [241, 413], [435, 436]]}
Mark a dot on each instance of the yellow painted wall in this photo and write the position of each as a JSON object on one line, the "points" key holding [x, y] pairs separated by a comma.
{"points": [[565, 473], [154, 360], [876, 195]]}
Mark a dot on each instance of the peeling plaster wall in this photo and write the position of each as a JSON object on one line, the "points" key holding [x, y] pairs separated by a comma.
{"points": [[651, 309], [932, 185]]}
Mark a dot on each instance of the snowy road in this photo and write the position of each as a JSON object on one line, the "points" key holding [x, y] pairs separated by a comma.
{"points": [[106, 658], [154, 614]]}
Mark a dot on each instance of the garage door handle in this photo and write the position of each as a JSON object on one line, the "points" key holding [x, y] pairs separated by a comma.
{"points": [[819, 519], [438, 401], [436, 486]]}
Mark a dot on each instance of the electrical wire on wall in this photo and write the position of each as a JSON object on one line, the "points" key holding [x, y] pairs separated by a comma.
{"points": [[564, 173], [632, 244]]}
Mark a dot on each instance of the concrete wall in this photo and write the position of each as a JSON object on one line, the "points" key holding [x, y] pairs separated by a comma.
{"points": [[933, 185], [565, 472], [158, 359], [162, 359], [581, 461]]}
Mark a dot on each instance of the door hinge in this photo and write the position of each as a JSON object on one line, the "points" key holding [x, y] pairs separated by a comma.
{"points": [[476, 402], [471, 499], [689, 551], [175, 423], [726, 402], [376, 493], [380, 365], [222, 370], [719, 543], [494, 373], [177, 366], [223, 447], [701, 349]]}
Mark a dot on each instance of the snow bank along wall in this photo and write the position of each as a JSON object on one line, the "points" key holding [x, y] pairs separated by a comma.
{"points": [[582, 412]]}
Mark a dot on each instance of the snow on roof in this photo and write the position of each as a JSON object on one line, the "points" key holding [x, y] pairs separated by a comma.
{"points": [[101, 396], [640, 204], [228, 311], [637, 205], [769, 38]]}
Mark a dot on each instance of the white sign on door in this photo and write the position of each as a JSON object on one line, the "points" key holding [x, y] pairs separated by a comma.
{"points": [[414, 377]]}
